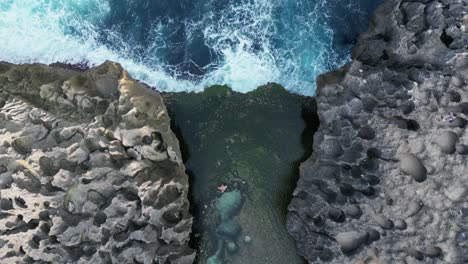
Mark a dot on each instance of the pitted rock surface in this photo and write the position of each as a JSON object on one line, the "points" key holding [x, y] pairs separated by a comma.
{"points": [[389, 158], [90, 171]]}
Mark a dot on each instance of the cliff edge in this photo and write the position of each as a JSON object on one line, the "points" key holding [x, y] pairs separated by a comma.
{"points": [[387, 182], [90, 171]]}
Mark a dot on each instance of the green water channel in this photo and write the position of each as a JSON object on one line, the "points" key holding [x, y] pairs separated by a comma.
{"points": [[252, 144]]}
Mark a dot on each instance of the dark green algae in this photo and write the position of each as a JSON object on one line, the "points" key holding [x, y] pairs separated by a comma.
{"points": [[253, 143]]}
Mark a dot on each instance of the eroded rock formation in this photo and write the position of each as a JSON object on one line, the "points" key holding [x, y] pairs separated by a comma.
{"points": [[90, 171], [387, 182]]}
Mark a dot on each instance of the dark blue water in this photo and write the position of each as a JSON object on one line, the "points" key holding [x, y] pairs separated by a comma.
{"points": [[190, 44]]}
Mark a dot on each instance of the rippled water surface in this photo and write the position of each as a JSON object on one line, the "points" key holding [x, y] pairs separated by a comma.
{"points": [[187, 45], [252, 145]]}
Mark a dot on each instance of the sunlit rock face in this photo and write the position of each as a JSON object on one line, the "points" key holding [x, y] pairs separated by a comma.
{"points": [[387, 180], [90, 171]]}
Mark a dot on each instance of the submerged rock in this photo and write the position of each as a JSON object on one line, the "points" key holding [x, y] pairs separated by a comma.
{"points": [[229, 204], [232, 247], [229, 228]]}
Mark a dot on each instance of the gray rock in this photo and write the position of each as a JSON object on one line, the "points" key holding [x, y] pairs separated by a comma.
{"points": [[408, 71], [400, 224], [462, 149], [433, 251], [373, 235], [336, 215], [349, 241], [414, 207], [383, 222], [415, 254], [447, 141], [354, 211], [366, 132], [332, 148], [22, 144], [77, 195], [411, 165]]}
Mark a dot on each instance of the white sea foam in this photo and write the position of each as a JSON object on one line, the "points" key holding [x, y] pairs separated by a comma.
{"points": [[245, 38]]}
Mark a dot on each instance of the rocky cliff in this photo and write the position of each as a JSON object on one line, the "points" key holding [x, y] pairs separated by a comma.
{"points": [[387, 182], [90, 171]]}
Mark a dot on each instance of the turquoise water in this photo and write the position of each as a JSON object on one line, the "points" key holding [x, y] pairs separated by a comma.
{"points": [[187, 45]]}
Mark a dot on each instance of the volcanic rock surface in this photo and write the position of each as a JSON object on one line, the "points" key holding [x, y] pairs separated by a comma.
{"points": [[388, 180], [90, 171]]}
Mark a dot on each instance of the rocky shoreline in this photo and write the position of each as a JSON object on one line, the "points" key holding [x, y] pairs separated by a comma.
{"points": [[90, 171], [387, 180]]}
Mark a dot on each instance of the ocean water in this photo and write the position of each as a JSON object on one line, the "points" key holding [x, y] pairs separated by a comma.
{"points": [[187, 45], [251, 143]]}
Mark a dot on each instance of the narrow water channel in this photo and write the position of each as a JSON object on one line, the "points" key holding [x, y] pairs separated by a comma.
{"points": [[242, 152]]}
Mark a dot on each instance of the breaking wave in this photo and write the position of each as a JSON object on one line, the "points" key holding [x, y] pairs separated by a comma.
{"points": [[187, 45]]}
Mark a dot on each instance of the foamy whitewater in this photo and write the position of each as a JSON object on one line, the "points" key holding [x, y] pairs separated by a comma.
{"points": [[187, 45]]}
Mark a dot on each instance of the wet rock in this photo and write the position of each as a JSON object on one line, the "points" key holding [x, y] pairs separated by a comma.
{"points": [[214, 260], [229, 228], [447, 141], [229, 204], [411, 165], [232, 247]]}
